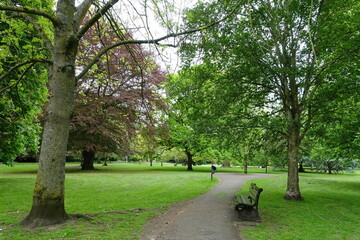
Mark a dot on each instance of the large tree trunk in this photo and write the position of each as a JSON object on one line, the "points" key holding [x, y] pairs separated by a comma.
{"points": [[293, 189], [48, 196], [88, 160], [189, 160]]}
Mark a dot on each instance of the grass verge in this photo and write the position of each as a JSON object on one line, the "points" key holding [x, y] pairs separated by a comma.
{"points": [[330, 210]]}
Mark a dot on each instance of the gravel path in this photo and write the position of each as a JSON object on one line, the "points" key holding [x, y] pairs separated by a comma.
{"points": [[210, 216]]}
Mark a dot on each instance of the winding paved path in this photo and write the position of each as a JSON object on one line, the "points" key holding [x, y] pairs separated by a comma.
{"points": [[211, 216]]}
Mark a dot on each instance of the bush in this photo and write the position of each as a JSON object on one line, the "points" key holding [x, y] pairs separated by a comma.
{"points": [[26, 159]]}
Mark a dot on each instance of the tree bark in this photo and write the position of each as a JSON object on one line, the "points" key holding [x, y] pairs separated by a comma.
{"points": [[189, 160], [245, 163], [226, 164], [88, 160], [105, 162], [293, 189], [48, 196]]}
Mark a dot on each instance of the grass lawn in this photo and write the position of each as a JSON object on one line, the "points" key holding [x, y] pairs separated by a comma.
{"points": [[330, 210], [118, 199]]}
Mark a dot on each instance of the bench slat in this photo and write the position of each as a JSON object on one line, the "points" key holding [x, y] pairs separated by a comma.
{"points": [[253, 194], [242, 201], [248, 200]]}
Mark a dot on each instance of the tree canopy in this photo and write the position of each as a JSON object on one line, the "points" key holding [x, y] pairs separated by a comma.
{"points": [[121, 92], [274, 73], [270, 63]]}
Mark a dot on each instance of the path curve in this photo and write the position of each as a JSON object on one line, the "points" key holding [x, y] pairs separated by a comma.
{"points": [[211, 216]]}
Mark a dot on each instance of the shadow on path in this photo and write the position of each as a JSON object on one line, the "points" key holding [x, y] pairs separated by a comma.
{"points": [[211, 216]]}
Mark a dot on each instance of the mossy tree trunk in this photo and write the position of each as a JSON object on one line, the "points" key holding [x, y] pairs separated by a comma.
{"points": [[293, 142], [48, 196]]}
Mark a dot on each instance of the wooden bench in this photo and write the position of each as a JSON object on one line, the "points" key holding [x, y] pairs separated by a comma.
{"points": [[247, 205]]}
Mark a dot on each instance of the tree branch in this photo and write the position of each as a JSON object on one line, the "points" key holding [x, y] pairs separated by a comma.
{"points": [[149, 41], [22, 64], [52, 18], [81, 12], [95, 18]]}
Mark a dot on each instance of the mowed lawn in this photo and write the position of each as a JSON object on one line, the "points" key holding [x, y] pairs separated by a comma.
{"points": [[330, 210], [117, 199]]}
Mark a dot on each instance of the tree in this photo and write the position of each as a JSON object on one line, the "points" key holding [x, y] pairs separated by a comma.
{"points": [[119, 94], [62, 43], [174, 155], [273, 58], [148, 140], [183, 129], [183, 136]]}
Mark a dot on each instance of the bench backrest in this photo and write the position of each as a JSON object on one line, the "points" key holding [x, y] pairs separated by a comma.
{"points": [[254, 193]]}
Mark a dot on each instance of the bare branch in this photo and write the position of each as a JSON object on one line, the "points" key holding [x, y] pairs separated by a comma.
{"points": [[23, 64], [51, 17], [149, 41], [95, 18], [81, 12]]}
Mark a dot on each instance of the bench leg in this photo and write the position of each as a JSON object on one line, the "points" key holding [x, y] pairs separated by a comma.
{"points": [[249, 214]]}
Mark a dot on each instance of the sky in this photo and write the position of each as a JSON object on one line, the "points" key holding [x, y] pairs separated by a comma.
{"points": [[140, 17], [141, 13]]}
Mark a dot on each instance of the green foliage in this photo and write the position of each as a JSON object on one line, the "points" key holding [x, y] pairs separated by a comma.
{"points": [[339, 131], [332, 165], [250, 58], [283, 66], [173, 155], [22, 91], [184, 128]]}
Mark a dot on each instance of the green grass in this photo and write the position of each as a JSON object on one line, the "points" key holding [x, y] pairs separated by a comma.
{"points": [[119, 199], [330, 210]]}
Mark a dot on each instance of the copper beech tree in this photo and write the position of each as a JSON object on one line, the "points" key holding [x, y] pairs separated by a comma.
{"points": [[120, 93]]}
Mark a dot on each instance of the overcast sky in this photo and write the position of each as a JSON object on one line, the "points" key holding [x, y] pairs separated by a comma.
{"points": [[140, 13], [139, 16]]}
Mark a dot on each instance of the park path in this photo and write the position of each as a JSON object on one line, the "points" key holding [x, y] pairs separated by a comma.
{"points": [[211, 216]]}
